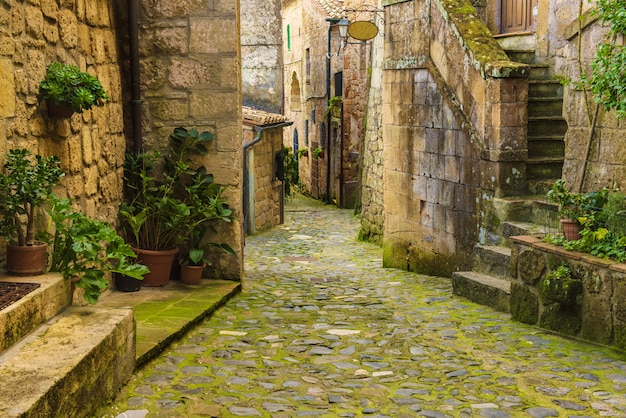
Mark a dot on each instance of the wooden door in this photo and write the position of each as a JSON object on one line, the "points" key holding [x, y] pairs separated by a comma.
{"points": [[517, 16]]}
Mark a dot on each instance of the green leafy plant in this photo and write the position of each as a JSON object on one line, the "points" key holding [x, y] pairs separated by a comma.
{"points": [[164, 209], [304, 151], [85, 250], [66, 84], [577, 206], [25, 185], [609, 63], [318, 152], [292, 175]]}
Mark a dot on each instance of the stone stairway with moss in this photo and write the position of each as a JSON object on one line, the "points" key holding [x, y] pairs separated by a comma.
{"points": [[59, 360], [489, 281]]}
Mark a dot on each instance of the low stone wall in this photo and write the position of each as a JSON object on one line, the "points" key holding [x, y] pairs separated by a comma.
{"points": [[594, 309]]}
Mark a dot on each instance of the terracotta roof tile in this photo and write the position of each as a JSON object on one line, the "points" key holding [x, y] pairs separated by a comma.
{"points": [[261, 118], [334, 8]]}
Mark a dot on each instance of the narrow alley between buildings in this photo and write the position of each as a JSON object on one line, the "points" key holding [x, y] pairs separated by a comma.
{"points": [[322, 329]]}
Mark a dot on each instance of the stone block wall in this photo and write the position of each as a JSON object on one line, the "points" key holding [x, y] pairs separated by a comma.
{"points": [[607, 156], [454, 125], [261, 53], [91, 145], [266, 195], [594, 311], [191, 77]]}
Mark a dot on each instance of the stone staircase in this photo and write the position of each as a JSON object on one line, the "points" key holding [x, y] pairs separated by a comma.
{"points": [[61, 360], [489, 282]]}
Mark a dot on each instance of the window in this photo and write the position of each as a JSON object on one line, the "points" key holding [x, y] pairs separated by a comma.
{"points": [[295, 101], [308, 65]]}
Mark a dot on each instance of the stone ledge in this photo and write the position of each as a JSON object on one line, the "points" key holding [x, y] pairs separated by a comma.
{"points": [[69, 366]]}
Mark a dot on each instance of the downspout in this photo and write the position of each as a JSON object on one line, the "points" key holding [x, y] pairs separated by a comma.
{"points": [[331, 22], [246, 147], [135, 85]]}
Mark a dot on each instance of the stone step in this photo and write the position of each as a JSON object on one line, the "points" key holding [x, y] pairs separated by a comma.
{"points": [[70, 365], [483, 289], [514, 228], [494, 260], [545, 106], [546, 126], [544, 168], [545, 88], [546, 146], [20, 318]]}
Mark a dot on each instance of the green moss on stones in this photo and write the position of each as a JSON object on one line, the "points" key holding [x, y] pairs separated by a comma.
{"points": [[559, 286], [563, 319], [524, 304]]}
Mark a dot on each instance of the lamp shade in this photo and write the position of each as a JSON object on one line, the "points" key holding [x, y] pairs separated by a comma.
{"points": [[343, 27]]}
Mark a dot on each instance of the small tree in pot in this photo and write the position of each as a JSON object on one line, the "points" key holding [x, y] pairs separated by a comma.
{"points": [[25, 185]]}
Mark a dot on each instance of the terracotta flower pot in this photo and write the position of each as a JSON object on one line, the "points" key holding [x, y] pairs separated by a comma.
{"points": [[571, 229], [191, 274], [26, 260], [60, 111], [159, 263]]}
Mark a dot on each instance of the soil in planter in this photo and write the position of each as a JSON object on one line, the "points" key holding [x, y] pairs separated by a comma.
{"points": [[12, 292]]}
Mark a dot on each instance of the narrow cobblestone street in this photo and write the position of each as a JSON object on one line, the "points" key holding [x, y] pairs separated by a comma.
{"points": [[321, 329]]}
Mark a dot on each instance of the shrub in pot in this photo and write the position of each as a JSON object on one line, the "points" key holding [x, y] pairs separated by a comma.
{"points": [[66, 90], [162, 209], [25, 186]]}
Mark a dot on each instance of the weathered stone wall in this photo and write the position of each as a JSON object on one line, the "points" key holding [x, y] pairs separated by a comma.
{"points": [[191, 77], [372, 200], [607, 156], [589, 307], [261, 54], [91, 145], [454, 117], [267, 189], [308, 30]]}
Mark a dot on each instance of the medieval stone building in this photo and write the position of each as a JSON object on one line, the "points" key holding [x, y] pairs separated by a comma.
{"points": [[184, 71]]}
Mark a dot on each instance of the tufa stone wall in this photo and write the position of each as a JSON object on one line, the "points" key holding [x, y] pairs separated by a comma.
{"points": [[91, 145], [587, 306], [371, 158], [261, 52], [454, 126], [191, 77], [607, 156]]}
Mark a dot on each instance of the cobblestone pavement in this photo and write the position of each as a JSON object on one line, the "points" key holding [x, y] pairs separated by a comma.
{"points": [[321, 329]]}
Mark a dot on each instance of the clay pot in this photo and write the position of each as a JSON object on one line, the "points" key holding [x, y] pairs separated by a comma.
{"points": [[159, 263], [26, 260], [191, 274], [571, 229], [59, 111]]}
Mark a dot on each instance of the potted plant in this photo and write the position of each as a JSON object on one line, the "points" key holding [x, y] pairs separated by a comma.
{"points": [[303, 152], [25, 186], [162, 209], [576, 207], [66, 90], [86, 250], [318, 153]]}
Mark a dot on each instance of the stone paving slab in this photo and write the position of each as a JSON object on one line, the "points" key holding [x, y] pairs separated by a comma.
{"points": [[163, 314], [343, 337]]}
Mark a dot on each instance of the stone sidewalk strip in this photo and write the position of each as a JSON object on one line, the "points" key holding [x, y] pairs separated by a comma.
{"points": [[322, 329]]}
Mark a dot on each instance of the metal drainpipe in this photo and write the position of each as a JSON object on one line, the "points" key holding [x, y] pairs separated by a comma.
{"points": [[133, 42], [331, 22], [246, 186]]}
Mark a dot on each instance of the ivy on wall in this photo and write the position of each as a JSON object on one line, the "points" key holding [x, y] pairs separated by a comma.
{"points": [[608, 68]]}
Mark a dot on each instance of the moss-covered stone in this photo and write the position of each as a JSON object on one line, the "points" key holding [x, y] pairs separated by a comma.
{"points": [[560, 318], [524, 304], [531, 265], [560, 288]]}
